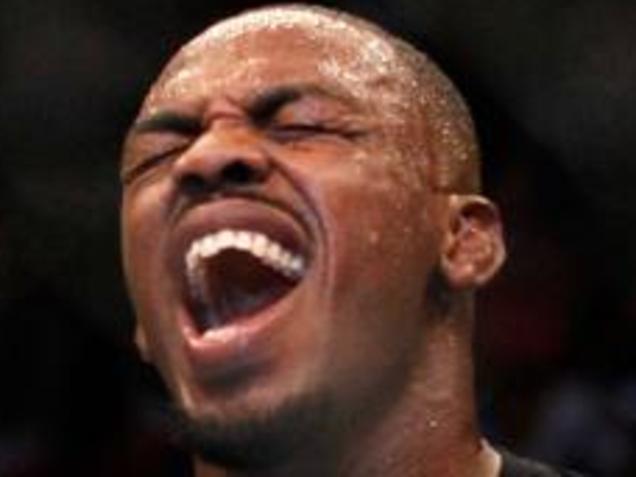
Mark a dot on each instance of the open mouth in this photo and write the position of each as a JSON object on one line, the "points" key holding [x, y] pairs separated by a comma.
{"points": [[233, 274]]}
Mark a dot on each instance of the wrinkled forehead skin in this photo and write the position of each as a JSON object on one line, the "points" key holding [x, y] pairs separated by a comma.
{"points": [[351, 59], [253, 48]]}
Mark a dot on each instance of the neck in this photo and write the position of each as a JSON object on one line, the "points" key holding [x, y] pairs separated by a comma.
{"points": [[430, 431]]}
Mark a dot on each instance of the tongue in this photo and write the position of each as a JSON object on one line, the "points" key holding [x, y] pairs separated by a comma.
{"points": [[237, 285]]}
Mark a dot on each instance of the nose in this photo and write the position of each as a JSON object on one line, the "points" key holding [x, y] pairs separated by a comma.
{"points": [[221, 160]]}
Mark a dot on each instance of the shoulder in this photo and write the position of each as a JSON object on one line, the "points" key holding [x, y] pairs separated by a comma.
{"points": [[514, 466]]}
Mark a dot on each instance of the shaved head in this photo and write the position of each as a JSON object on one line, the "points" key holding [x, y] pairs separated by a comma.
{"points": [[300, 198], [420, 92]]}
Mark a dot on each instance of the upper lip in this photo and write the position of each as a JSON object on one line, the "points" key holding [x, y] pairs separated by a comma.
{"points": [[277, 220]]}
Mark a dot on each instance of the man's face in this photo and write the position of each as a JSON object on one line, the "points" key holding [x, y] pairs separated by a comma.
{"points": [[278, 241]]}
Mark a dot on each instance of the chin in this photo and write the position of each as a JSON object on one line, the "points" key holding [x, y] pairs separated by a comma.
{"points": [[253, 437]]}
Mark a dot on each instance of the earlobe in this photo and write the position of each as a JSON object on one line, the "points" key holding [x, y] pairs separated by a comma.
{"points": [[473, 249], [142, 344]]}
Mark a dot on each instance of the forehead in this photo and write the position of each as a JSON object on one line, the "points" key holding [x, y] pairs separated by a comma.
{"points": [[283, 46]]}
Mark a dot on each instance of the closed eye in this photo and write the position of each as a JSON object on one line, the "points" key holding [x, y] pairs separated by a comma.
{"points": [[150, 162], [300, 131], [288, 132]]}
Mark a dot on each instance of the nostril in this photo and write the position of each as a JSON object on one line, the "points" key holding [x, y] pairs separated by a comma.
{"points": [[193, 184], [238, 173], [234, 173]]}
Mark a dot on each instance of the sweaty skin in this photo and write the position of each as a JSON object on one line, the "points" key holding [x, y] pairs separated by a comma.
{"points": [[309, 127]]}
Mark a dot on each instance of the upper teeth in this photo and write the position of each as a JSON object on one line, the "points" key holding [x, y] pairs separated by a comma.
{"points": [[268, 251]]}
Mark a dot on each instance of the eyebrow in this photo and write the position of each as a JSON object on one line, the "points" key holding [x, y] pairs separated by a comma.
{"points": [[260, 107], [168, 121], [266, 103]]}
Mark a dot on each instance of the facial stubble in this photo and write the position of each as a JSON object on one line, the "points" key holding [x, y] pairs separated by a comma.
{"points": [[256, 440]]}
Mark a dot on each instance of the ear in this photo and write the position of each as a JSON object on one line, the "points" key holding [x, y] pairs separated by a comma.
{"points": [[142, 344], [472, 249]]}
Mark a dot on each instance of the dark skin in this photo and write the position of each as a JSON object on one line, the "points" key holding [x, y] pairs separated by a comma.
{"points": [[280, 144]]}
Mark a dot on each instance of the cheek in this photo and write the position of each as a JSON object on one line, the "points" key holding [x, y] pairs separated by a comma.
{"points": [[382, 247], [142, 225], [383, 262], [143, 212], [382, 229], [143, 230]]}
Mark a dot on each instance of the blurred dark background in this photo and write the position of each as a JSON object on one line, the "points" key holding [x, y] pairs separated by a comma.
{"points": [[553, 88]]}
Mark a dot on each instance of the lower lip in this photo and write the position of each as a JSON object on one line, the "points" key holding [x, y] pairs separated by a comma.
{"points": [[240, 344]]}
